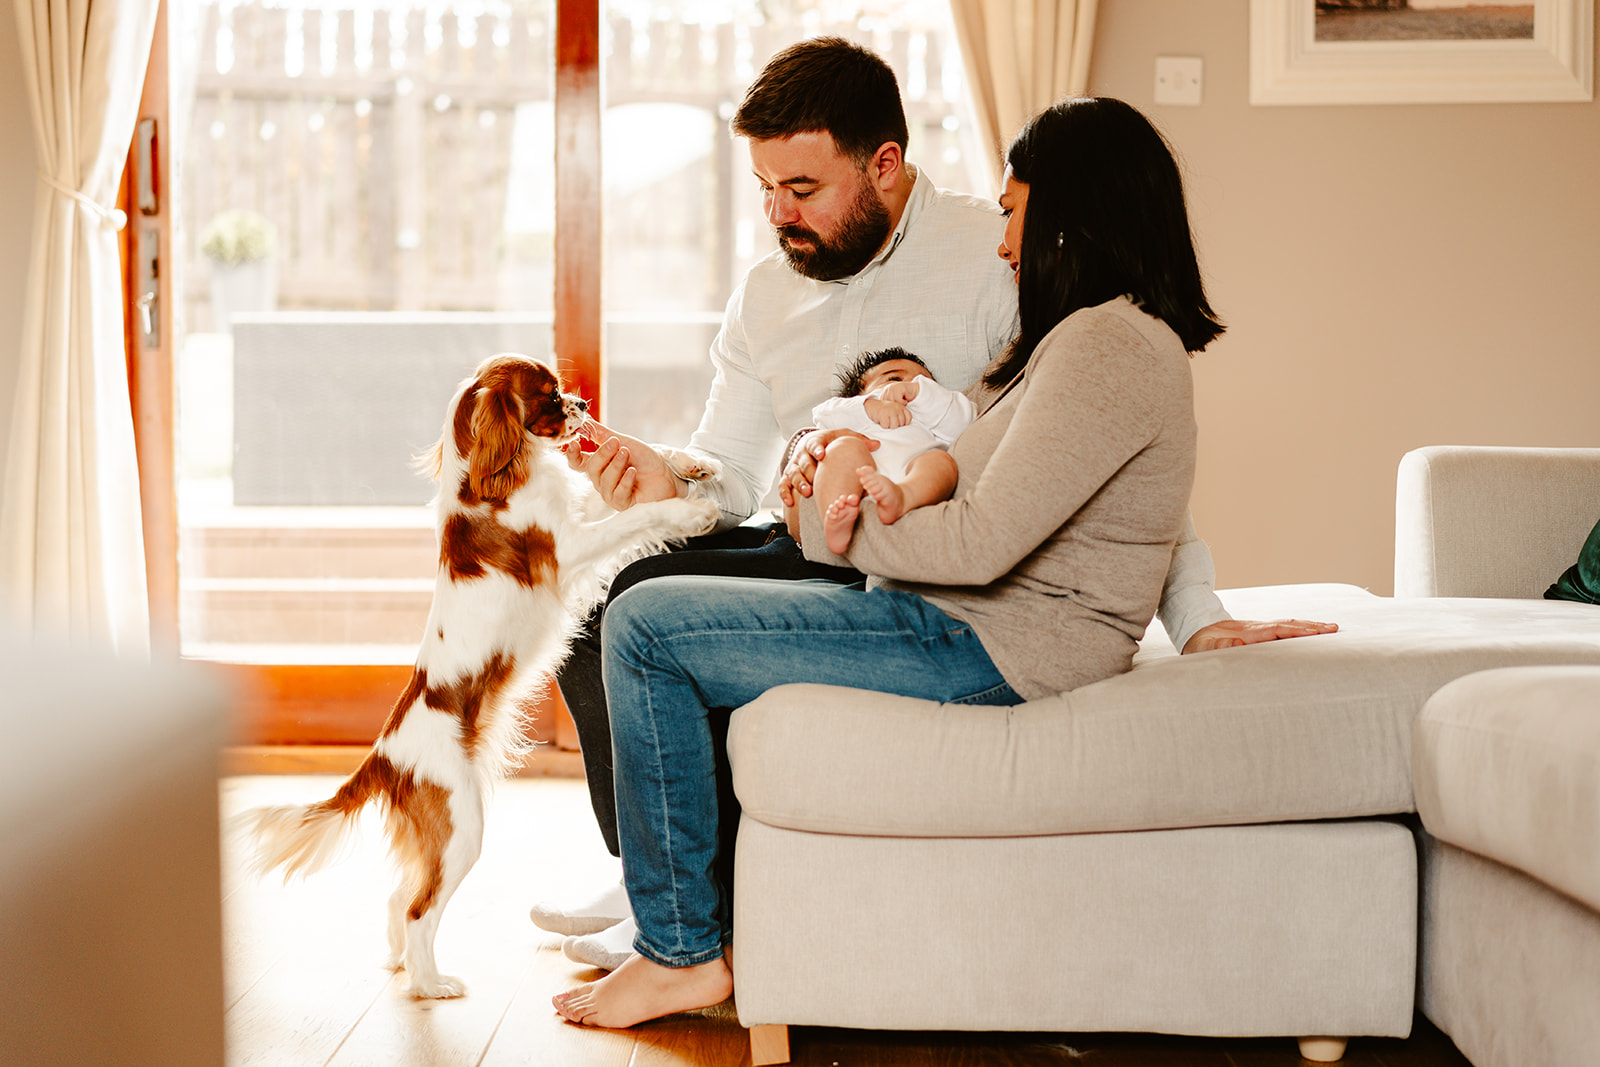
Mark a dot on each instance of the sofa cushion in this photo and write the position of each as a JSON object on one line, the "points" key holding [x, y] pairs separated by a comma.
{"points": [[1508, 767], [1313, 728]]}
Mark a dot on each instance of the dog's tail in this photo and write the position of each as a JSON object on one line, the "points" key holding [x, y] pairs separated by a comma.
{"points": [[303, 839]]}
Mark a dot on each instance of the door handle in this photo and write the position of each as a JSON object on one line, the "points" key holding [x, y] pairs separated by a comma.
{"points": [[149, 300], [146, 305]]}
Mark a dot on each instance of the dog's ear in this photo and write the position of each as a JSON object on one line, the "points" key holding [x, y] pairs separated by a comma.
{"points": [[430, 462], [497, 463]]}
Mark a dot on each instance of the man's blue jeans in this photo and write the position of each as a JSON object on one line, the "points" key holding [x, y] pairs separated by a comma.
{"points": [[677, 648]]}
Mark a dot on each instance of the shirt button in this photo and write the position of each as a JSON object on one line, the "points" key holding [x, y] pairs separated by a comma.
{"points": [[844, 350]]}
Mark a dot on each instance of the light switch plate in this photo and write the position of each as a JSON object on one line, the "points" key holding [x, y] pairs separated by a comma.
{"points": [[1178, 80]]}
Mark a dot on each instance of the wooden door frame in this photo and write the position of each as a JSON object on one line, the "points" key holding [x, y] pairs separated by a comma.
{"points": [[578, 334], [150, 369], [341, 706]]}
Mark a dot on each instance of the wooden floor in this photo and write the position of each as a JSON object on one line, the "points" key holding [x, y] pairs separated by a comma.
{"points": [[306, 983]]}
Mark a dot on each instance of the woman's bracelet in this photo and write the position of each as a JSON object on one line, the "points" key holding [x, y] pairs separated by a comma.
{"points": [[788, 449]]}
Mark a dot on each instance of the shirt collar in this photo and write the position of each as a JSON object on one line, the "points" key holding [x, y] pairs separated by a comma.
{"points": [[922, 192]]}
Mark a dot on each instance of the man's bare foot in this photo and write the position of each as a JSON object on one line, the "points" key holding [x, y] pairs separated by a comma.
{"points": [[889, 497], [839, 522], [641, 989]]}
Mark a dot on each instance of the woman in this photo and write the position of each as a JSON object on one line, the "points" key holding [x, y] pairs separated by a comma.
{"points": [[1039, 576]]}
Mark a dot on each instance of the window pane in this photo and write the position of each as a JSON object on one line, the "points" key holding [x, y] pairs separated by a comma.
{"points": [[367, 213], [682, 212]]}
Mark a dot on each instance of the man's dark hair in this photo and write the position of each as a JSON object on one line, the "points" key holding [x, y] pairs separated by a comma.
{"points": [[1105, 218], [825, 85], [851, 378]]}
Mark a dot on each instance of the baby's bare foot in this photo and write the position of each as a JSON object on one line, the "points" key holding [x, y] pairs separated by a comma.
{"points": [[641, 989], [889, 497], [839, 522]]}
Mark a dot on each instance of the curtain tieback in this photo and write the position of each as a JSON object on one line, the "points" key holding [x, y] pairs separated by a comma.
{"points": [[112, 218]]}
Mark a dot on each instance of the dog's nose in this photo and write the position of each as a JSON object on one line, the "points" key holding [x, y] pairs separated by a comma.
{"points": [[582, 405]]}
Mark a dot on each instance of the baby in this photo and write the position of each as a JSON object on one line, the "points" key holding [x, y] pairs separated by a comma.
{"points": [[891, 397]]}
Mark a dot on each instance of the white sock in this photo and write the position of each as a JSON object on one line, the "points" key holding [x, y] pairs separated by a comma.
{"points": [[585, 916], [606, 949]]}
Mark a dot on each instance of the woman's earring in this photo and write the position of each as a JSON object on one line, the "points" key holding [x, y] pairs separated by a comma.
{"points": [[1061, 240]]}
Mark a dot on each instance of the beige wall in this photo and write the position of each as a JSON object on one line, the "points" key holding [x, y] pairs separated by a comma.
{"points": [[16, 213], [1392, 276]]}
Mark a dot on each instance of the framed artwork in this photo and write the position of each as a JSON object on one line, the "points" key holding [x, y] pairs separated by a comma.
{"points": [[1420, 51]]}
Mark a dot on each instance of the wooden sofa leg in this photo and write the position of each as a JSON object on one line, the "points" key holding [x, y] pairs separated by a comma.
{"points": [[768, 1045], [1322, 1049]]}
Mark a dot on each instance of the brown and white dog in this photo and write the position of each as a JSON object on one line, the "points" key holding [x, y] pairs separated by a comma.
{"points": [[525, 549]]}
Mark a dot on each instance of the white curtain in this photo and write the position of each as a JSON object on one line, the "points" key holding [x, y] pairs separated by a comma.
{"points": [[1021, 56], [71, 541]]}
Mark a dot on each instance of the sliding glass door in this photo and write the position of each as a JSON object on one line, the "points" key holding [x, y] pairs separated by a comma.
{"points": [[372, 198]]}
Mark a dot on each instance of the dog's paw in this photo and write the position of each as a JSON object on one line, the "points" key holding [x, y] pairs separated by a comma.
{"points": [[688, 466], [440, 987]]}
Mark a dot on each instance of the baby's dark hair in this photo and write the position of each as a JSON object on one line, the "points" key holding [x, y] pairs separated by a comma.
{"points": [[851, 379]]}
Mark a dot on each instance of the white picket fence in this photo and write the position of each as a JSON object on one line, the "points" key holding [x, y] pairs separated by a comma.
{"points": [[380, 143]]}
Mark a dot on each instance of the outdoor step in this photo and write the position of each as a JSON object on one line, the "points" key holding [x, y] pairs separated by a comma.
{"points": [[261, 551], [304, 611]]}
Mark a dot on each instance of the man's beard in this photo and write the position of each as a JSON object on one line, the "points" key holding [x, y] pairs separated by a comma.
{"points": [[859, 237]]}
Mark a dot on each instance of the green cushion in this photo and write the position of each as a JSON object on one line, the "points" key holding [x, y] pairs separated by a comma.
{"points": [[1581, 581]]}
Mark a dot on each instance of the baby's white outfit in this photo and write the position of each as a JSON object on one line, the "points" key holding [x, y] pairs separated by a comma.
{"points": [[938, 415]]}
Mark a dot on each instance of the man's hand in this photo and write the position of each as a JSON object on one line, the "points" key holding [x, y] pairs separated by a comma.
{"points": [[796, 479], [1230, 633], [890, 414], [625, 471]]}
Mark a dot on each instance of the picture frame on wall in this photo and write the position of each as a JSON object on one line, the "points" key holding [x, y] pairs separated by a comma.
{"points": [[1420, 51]]}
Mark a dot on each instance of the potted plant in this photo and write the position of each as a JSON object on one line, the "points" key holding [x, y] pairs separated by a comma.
{"points": [[244, 272]]}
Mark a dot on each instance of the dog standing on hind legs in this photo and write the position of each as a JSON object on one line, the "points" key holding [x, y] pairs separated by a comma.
{"points": [[525, 549]]}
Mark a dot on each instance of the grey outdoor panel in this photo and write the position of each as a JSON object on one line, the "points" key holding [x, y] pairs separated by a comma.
{"points": [[331, 410]]}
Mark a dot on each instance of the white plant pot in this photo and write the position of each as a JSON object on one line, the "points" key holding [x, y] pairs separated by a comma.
{"points": [[246, 287]]}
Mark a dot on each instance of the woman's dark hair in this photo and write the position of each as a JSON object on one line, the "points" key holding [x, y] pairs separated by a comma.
{"points": [[1105, 218], [825, 85]]}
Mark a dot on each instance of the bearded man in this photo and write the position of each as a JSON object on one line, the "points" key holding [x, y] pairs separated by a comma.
{"points": [[870, 255]]}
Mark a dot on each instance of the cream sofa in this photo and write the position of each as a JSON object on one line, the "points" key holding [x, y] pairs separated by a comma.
{"points": [[1506, 766], [1211, 845]]}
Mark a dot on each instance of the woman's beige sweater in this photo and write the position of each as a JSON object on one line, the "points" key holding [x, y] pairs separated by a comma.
{"points": [[1074, 485]]}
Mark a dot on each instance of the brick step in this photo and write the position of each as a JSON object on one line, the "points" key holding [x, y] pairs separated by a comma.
{"points": [[254, 551], [304, 611]]}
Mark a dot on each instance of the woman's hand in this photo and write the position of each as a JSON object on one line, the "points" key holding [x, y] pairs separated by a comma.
{"points": [[1230, 633], [799, 476]]}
